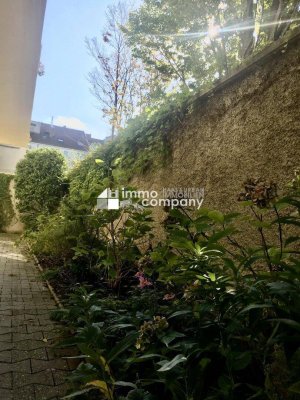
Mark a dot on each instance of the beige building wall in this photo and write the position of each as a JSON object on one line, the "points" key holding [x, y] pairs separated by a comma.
{"points": [[9, 157], [21, 24]]}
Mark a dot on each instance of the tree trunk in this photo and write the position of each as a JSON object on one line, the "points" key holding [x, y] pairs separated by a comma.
{"points": [[282, 28], [276, 11], [247, 39], [113, 132]]}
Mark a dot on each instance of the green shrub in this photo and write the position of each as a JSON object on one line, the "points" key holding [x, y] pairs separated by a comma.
{"points": [[39, 185], [53, 237], [6, 206], [94, 245], [210, 319], [72, 226]]}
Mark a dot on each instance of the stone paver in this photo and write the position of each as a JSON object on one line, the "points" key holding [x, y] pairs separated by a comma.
{"points": [[29, 369]]}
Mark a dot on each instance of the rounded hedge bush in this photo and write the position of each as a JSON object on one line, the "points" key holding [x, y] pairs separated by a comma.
{"points": [[39, 185]]}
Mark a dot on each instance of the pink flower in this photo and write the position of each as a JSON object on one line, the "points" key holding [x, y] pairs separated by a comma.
{"points": [[169, 296], [143, 281]]}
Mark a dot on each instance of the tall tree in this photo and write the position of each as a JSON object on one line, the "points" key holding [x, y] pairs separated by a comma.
{"points": [[111, 79], [119, 82], [193, 42]]}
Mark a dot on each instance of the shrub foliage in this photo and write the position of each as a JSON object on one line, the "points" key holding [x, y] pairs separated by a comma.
{"points": [[39, 189], [6, 206], [201, 315]]}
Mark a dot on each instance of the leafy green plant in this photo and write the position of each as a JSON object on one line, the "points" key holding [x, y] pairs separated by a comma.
{"points": [[6, 207], [163, 37], [39, 185], [219, 319], [96, 246]]}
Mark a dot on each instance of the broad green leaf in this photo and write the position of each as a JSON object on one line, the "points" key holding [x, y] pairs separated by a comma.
{"points": [[212, 276], [102, 386], [295, 388], [119, 326], [290, 220], [125, 384], [76, 394], [95, 309], [170, 336], [183, 244], [123, 345], [255, 306], [220, 235], [168, 365], [240, 361], [179, 313], [216, 216], [144, 358], [290, 322], [261, 224]]}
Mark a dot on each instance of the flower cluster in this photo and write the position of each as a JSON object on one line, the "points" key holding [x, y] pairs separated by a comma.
{"points": [[261, 193], [149, 329], [143, 280], [169, 296]]}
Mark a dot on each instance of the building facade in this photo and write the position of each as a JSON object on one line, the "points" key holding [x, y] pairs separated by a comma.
{"points": [[73, 144], [21, 25]]}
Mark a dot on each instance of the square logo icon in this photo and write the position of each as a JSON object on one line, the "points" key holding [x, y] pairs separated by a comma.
{"points": [[113, 204]]}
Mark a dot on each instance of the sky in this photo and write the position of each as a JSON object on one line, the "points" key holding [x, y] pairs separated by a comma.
{"points": [[63, 91]]}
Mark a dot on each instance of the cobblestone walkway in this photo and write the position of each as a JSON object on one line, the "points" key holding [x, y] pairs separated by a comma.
{"points": [[28, 367]]}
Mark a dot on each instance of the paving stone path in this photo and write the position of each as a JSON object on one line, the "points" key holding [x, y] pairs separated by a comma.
{"points": [[28, 366]]}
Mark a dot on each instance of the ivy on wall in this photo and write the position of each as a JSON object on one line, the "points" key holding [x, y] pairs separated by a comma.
{"points": [[6, 206], [146, 141]]}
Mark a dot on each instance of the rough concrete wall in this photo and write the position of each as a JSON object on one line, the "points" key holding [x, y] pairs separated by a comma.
{"points": [[249, 128]]}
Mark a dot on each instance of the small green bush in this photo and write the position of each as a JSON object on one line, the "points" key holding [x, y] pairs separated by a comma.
{"points": [[93, 245], [72, 224], [6, 206], [53, 237], [39, 185]]}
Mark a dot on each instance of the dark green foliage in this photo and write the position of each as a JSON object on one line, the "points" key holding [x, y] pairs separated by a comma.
{"points": [[39, 185], [220, 319], [145, 143], [95, 246], [6, 207]]}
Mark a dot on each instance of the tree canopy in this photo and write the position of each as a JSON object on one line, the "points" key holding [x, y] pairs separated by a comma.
{"points": [[194, 42]]}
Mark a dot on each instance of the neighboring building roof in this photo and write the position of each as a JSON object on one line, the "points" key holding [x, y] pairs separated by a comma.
{"points": [[92, 140], [61, 136], [96, 141]]}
